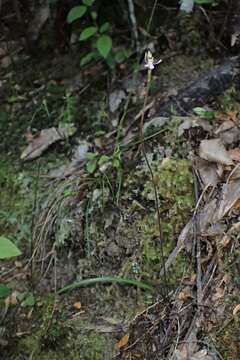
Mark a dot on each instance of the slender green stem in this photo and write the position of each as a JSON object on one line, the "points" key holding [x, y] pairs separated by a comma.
{"points": [[142, 146]]}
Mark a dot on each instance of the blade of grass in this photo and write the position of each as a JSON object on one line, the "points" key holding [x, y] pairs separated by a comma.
{"points": [[105, 279]]}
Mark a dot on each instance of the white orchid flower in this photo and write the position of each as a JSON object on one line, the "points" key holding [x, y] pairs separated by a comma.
{"points": [[149, 61]]}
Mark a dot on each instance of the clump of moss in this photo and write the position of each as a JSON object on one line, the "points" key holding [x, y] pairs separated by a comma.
{"points": [[174, 183], [15, 201]]}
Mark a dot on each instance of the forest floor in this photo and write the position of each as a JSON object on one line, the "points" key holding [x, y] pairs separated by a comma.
{"points": [[78, 199]]}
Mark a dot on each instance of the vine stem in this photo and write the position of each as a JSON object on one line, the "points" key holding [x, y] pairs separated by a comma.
{"points": [[143, 149]]}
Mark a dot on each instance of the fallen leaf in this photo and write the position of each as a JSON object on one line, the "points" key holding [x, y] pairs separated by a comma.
{"points": [[115, 99], [225, 241], [226, 125], [18, 264], [237, 204], [123, 341], [185, 294], [218, 294], [191, 122], [12, 299], [77, 305], [229, 195], [228, 132], [213, 150], [236, 309], [207, 172], [156, 122], [233, 115], [44, 139], [234, 154]]}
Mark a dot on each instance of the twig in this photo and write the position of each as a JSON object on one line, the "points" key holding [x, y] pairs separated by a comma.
{"points": [[34, 209], [134, 23], [198, 245]]}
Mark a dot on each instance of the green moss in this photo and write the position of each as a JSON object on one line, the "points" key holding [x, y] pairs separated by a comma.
{"points": [[16, 202], [230, 100], [92, 346], [55, 337], [173, 179]]}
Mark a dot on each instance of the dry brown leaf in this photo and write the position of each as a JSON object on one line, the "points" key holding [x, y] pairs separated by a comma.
{"points": [[236, 309], [228, 132], [234, 154], [207, 172], [237, 204], [12, 299], [213, 150], [77, 305], [44, 139], [226, 125], [233, 115], [218, 294], [123, 341], [225, 241], [230, 194], [18, 264], [185, 294]]}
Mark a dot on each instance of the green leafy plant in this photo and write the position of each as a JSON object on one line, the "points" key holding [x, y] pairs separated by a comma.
{"points": [[97, 36], [204, 114], [94, 161], [8, 249], [101, 42], [5, 291], [69, 109]]}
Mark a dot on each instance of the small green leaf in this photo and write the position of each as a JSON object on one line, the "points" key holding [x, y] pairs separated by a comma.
{"points": [[88, 32], [91, 166], [76, 13], [86, 59], [91, 155], [7, 248], [104, 45], [103, 159], [94, 15], [204, 114], [104, 27], [88, 2], [29, 301], [21, 296], [99, 133], [116, 163], [5, 291]]}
